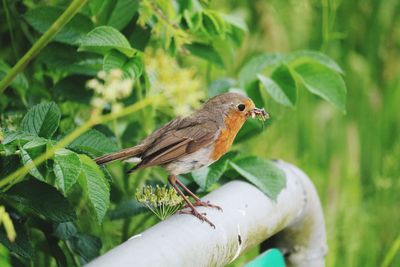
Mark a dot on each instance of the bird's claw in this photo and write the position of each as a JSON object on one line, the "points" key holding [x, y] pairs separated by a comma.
{"points": [[200, 216], [190, 212], [204, 204]]}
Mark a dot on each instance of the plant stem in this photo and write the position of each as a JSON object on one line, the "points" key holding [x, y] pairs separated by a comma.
{"points": [[21, 172], [41, 43]]}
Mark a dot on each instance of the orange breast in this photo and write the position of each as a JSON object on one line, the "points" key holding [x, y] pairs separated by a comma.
{"points": [[233, 122]]}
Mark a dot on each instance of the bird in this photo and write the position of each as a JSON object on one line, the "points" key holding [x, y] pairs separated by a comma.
{"points": [[189, 143]]}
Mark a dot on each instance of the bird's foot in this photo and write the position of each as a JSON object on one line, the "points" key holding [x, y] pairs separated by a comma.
{"points": [[199, 203], [201, 216], [206, 204]]}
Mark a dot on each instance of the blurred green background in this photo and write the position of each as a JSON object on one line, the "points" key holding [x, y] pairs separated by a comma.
{"points": [[353, 159]]}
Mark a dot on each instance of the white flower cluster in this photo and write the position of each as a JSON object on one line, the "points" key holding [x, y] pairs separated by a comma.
{"points": [[183, 91], [109, 87]]}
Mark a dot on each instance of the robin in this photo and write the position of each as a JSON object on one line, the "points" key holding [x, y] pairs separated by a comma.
{"points": [[186, 144]]}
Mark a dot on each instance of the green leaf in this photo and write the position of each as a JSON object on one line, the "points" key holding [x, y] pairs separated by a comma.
{"points": [[104, 38], [213, 24], [42, 119], [251, 128], [122, 13], [249, 71], [41, 18], [262, 173], [206, 52], [93, 142], [324, 82], [131, 67], [284, 95], [305, 56], [96, 186], [27, 159], [67, 167], [42, 199], [65, 230], [19, 137], [61, 57], [207, 176], [127, 209], [284, 78], [30, 151], [22, 245], [86, 246]]}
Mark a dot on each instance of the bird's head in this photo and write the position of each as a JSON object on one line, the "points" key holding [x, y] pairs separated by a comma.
{"points": [[235, 105]]}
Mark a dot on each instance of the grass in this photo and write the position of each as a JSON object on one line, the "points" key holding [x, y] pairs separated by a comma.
{"points": [[352, 158]]}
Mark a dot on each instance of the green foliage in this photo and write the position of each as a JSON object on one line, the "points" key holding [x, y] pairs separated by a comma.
{"points": [[22, 246], [67, 167], [95, 185], [94, 143], [43, 199], [104, 38], [42, 120], [315, 71], [67, 196], [41, 18], [262, 173]]}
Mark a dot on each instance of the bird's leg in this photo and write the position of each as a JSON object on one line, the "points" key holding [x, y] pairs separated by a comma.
{"points": [[198, 201], [173, 181]]}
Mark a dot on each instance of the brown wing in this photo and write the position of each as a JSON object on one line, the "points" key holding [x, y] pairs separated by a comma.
{"points": [[185, 137]]}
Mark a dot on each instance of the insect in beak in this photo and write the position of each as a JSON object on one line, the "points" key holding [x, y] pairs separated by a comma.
{"points": [[259, 113]]}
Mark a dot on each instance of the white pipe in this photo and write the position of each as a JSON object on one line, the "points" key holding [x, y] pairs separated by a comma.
{"points": [[249, 217]]}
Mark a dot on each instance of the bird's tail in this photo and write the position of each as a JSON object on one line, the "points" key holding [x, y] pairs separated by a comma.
{"points": [[120, 155]]}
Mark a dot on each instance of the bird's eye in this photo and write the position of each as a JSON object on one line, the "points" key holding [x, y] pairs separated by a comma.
{"points": [[241, 107]]}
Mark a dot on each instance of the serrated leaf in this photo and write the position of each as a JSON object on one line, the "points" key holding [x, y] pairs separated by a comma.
{"points": [[287, 98], [30, 151], [27, 159], [67, 167], [127, 209], [206, 52], [304, 56], [19, 137], [104, 38], [42, 119], [86, 246], [262, 173], [96, 186], [22, 245], [131, 67], [122, 13], [248, 73], [324, 82], [94, 142], [41, 18], [42, 199]]}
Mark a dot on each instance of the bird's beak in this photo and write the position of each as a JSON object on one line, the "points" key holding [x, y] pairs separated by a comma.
{"points": [[259, 113]]}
